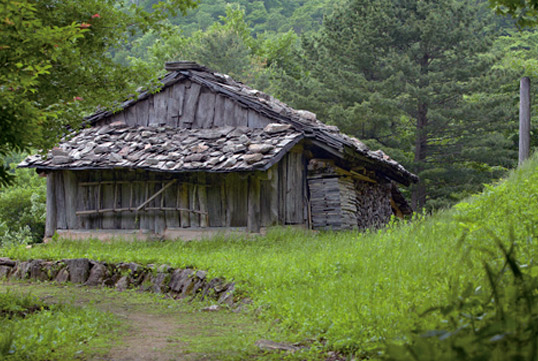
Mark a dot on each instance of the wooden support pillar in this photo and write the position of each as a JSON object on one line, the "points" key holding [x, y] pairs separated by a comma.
{"points": [[50, 225], [524, 119], [253, 208], [70, 185]]}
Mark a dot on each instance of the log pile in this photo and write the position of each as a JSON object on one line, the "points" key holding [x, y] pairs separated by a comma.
{"points": [[340, 201], [374, 209]]}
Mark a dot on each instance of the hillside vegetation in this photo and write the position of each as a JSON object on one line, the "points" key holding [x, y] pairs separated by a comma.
{"points": [[355, 291]]}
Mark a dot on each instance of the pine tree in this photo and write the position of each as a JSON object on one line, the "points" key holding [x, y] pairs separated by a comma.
{"points": [[400, 75]]}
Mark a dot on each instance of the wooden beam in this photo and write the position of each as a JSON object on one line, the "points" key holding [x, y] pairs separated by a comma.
{"points": [[50, 225], [155, 195]]}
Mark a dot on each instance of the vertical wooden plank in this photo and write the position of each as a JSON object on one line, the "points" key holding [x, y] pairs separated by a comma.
{"points": [[219, 119], [215, 202], [184, 203], [269, 198], [131, 116], [161, 106], [205, 112], [202, 199], [127, 189], [70, 188], [61, 221], [294, 188], [283, 173], [170, 200], [142, 195], [151, 112], [256, 120], [254, 216], [229, 113], [175, 104], [142, 113], [50, 223], [190, 105], [240, 116], [107, 201], [236, 200], [82, 196], [194, 205]]}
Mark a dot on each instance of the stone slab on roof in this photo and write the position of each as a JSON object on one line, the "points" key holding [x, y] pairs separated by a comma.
{"points": [[166, 149]]}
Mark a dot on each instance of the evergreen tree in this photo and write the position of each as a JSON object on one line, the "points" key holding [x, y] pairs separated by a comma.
{"points": [[400, 74]]}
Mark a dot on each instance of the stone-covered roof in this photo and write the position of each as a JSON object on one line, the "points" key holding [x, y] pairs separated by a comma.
{"points": [[167, 149], [301, 121]]}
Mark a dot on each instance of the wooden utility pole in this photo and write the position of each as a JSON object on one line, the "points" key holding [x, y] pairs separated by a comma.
{"points": [[524, 119]]}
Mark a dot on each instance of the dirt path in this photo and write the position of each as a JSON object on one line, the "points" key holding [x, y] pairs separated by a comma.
{"points": [[157, 329]]}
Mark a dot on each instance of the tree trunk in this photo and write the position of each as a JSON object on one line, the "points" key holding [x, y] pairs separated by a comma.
{"points": [[418, 194]]}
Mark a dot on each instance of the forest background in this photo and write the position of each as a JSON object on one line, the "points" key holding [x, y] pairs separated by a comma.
{"points": [[434, 84]]}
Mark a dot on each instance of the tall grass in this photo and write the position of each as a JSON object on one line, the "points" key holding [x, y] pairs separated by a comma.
{"points": [[352, 290]]}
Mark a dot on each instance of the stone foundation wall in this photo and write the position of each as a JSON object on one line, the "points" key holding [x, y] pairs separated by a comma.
{"points": [[176, 282]]}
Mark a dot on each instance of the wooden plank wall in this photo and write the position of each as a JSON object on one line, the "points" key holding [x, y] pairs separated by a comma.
{"points": [[252, 200], [188, 105]]}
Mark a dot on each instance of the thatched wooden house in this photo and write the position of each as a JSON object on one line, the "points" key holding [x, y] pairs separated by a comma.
{"points": [[207, 153]]}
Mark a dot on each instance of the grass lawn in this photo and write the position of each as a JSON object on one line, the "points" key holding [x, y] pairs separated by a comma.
{"points": [[349, 290]]}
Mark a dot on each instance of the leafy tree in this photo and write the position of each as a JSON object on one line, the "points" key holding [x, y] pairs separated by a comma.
{"points": [[55, 65], [525, 12], [401, 75]]}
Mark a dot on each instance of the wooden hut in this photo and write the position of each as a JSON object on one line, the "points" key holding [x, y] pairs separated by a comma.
{"points": [[207, 153]]}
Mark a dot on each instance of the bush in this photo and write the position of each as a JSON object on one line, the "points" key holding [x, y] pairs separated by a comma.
{"points": [[22, 209]]}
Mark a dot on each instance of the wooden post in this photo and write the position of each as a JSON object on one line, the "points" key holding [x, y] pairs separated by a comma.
{"points": [[524, 119], [254, 200], [50, 225]]}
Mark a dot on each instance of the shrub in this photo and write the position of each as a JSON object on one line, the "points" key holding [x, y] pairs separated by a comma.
{"points": [[22, 209]]}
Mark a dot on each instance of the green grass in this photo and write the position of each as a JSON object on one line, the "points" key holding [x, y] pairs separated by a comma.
{"points": [[350, 290], [30, 329]]}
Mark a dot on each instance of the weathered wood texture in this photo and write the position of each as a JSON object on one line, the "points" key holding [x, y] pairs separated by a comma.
{"points": [[188, 105], [155, 202]]}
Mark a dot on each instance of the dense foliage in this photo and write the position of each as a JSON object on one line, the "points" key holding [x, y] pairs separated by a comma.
{"points": [[55, 64], [357, 291], [33, 330]]}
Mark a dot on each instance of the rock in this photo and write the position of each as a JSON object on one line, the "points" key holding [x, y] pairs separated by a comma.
{"points": [[5, 271], [179, 279], [22, 270], [57, 160], [79, 269], [115, 157], [244, 139], [274, 128], [7, 262], [211, 308], [229, 162], [201, 274], [57, 152], [260, 148], [305, 114], [227, 296], [123, 283], [253, 158], [197, 157], [102, 148], [62, 276], [269, 345], [97, 275], [37, 271]]}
